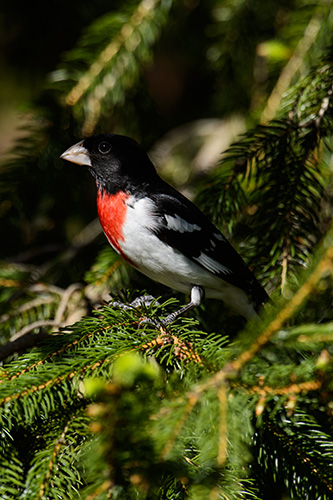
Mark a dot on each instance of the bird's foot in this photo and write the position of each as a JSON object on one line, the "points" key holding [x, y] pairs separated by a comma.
{"points": [[143, 300], [151, 321], [161, 323], [146, 300]]}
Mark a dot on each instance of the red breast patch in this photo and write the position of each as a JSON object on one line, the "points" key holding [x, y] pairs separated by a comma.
{"points": [[112, 214]]}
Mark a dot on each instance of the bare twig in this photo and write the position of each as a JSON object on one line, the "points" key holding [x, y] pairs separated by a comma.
{"points": [[64, 301], [36, 324]]}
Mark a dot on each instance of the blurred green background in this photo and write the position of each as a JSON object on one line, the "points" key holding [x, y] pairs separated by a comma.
{"points": [[185, 79]]}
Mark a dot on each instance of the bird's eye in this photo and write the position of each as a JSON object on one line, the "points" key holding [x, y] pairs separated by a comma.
{"points": [[104, 147]]}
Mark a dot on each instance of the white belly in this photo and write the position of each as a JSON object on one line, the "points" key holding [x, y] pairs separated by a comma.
{"points": [[168, 266]]}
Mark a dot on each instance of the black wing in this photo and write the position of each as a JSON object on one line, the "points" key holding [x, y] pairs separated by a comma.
{"points": [[184, 227]]}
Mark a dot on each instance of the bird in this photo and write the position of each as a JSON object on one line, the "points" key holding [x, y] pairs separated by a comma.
{"points": [[160, 232]]}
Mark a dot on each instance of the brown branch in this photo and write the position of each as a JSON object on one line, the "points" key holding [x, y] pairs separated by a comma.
{"points": [[301, 388], [192, 401], [22, 344], [182, 350], [223, 425], [59, 444]]}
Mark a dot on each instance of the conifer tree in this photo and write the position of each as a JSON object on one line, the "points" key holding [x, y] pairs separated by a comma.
{"points": [[95, 404]]}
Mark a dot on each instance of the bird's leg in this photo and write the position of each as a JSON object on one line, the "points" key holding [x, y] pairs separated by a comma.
{"points": [[197, 296]]}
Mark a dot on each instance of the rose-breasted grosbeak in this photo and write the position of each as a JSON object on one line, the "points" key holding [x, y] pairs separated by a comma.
{"points": [[159, 231]]}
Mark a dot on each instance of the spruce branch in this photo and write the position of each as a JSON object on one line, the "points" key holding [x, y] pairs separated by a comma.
{"points": [[124, 37], [224, 376], [310, 334], [293, 389], [182, 350], [118, 65], [288, 311], [282, 172], [53, 470], [309, 452], [292, 67], [178, 413], [87, 351]]}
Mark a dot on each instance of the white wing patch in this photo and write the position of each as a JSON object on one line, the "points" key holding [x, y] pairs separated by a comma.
{"points": [[211, 264], [144, 210], [177, 223]]}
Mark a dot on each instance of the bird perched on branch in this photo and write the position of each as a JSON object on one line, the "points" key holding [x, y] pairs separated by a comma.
{"points": [[160, 232]]}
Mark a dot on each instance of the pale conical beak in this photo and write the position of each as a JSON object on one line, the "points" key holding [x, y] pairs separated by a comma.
{"points": [[77, 154]]}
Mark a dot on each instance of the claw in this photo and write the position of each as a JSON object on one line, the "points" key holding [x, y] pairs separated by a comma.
{"points": [[144, 300], [152, 322], [115, 303]]}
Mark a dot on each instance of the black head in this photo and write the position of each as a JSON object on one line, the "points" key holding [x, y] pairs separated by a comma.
{"points": [[116, 161]]}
